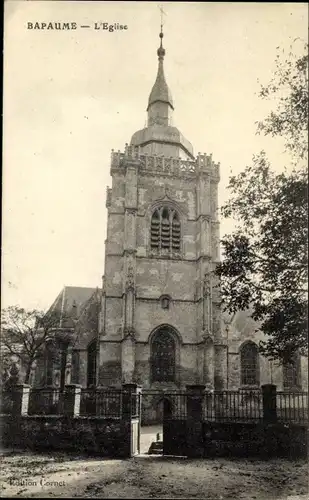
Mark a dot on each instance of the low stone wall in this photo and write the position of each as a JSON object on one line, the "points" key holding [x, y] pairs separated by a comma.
{"points": [[105, 437], [255, 439]]}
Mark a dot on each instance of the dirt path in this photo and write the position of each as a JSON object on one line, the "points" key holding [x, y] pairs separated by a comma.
{"points": [[47, 476]]}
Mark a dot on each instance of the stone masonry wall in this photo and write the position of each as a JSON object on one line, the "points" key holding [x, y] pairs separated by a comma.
{"points": [[134, 195], [106, 437]]}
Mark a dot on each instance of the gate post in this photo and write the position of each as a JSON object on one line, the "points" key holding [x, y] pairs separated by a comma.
{"points": [[72, 396], [131, 415], [20, 393], [195, 398], [269, 402]]}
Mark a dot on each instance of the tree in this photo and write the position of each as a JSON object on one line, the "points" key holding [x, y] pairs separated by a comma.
{"points": [[289, 87], [25, 333], [265, 267]]}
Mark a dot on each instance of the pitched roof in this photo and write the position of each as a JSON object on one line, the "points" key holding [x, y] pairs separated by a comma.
{"points": [[71, 300], [241, 322]]}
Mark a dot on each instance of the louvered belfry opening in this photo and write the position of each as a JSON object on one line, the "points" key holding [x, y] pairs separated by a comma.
{"points": [[175, 232], [165, 231], [155, 230]]}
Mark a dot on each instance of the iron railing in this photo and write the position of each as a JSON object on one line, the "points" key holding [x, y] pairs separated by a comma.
{"points": [[292, 406], [242, 405], [154, 406], [44, 401], [101, 402], [159, 405]]}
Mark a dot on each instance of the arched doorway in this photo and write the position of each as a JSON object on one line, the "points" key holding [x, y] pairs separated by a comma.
{"points": [[164, 409], [160, 400]]}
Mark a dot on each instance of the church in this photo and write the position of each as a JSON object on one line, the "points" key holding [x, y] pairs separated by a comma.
{"points": [[157, 321]]}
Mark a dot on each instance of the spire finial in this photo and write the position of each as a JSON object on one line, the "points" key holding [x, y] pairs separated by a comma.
{"points": [[161, 50]]}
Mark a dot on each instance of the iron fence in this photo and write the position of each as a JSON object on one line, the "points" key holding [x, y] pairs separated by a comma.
{"points": [[292, 406], [242, 405], [101, 402], [157, 406], [43, 401]]}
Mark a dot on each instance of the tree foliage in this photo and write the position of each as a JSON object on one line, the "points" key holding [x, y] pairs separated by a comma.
{"points": [[265, 267], [289, 88], [24, 333]]}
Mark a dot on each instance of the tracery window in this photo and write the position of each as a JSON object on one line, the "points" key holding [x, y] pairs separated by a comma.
{"points": [[163, 351], [249, 362], [165, 231], [291, 374]]}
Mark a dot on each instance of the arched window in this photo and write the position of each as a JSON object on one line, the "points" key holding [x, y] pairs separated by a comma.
{"points": [[163, 351], [91, 363], [291, 373], [165, 231], [249, 362]]}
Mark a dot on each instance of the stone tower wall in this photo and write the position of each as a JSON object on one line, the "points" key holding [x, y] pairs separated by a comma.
{"points": [[135, 278]]}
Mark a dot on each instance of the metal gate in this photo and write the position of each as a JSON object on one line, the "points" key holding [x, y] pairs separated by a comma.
{"points": [[169, 410]]}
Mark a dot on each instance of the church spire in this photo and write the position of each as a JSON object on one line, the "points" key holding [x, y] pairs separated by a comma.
{"points": [[160, 136], [160, 102]]}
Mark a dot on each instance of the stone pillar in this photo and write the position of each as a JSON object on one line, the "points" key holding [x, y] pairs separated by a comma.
{"points": [[72, 396], [131, 183], [207, 303], [131, 419], [208, 366], [130, 229], [56, 374], [102, 313], [129, 296], [205, 236], [215, 241], [68, 367], [200, 362], [128, 358], [220, 368], [20, 394], [269, 392], [203, 193], [131, 400], [129, 309], [195, 405]]}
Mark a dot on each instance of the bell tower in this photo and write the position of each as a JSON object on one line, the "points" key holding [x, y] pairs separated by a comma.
{"points": [[160, 320]]}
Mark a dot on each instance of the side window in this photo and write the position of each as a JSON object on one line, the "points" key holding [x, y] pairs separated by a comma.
{"points": [[291, 374], [249, 364]]}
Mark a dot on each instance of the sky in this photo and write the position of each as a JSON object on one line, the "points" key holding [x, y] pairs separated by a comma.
{"points": [[72, 96]]}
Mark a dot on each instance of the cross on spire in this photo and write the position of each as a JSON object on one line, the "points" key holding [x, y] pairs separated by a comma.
{"points": [[162, 13], [161, 51]]}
